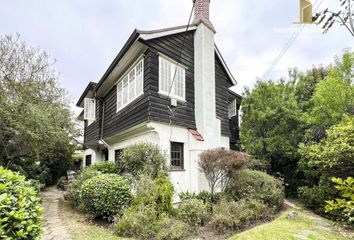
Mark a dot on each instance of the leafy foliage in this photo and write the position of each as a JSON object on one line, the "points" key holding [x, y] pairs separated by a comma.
{"points": [[192, 212], [36, 125], [173, 229], [343, 208], [249, 184], [75, 187], [143, 158], [218, 165], [106, 167], [105, 195], [20, 207], [156, 192], [138, 221], [231, 215]]}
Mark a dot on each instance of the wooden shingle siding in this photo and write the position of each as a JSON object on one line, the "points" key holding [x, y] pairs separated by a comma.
{"points": [[222, 84], [171, 46]]}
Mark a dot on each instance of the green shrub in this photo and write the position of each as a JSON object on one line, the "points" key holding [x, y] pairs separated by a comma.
{"points": [[106, 167], [173, 229], [139, 221], [208, 198], [20, 207], [143, 158], [157, 192], [192, 212], [37, 185], [105, 195], [75, 186], [250, 184], [231, 215], [343, 208], [62, 181]]}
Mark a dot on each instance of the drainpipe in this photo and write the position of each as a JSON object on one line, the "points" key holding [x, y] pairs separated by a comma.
{"points": [[101, 141]]}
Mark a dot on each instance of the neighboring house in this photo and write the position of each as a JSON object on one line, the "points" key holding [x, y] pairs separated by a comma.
{"points": [[170, 87]]}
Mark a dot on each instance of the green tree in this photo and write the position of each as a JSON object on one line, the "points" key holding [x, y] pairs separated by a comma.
{"points": [[269, 129], [36, 125]]}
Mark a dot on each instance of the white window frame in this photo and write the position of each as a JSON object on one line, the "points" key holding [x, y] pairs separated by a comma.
{"points": [[87, 104], [232, 107], [174, 65], [127, 75]]}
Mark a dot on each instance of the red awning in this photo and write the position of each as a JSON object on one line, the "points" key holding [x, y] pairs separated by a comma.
{"points": [[196, 135]]}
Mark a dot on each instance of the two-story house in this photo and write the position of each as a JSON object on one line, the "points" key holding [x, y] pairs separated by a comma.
{"points": [[170, 87]]}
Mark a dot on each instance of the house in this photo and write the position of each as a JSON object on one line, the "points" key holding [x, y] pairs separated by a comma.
{"points": [[170, 87]]}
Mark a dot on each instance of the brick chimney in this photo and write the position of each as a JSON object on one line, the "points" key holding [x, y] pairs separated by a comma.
{"points": [[201, 13]]}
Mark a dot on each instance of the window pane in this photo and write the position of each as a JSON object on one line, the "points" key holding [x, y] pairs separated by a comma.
{"points": [[176, 155], [139, 78], [125, 90], [132, 84], [179, 83], [119, 95]]}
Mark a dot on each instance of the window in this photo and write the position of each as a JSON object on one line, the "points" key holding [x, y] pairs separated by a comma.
{"points": [[105, 154], [130, 86], [88, 160], [118, 155], [176, 156], [232, 108], [168, 71], [90, 109]]}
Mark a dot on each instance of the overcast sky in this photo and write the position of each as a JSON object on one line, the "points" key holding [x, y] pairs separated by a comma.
{"points": [[85, 35]]}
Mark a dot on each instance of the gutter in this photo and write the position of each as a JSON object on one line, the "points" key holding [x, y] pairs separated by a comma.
{"points": [[101, 141]]}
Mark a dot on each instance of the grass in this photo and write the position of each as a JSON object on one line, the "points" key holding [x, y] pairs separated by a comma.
{"points": [[304, 226], [80, 226]]}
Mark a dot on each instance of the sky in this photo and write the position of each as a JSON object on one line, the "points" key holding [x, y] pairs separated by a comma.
{"points": [[84, 36]]}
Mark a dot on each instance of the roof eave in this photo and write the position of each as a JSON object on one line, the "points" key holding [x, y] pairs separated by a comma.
{"points": [[233, 79], [90, 86]]}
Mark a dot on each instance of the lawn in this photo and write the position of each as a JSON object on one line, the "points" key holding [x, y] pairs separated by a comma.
{"points": [[305, 226], [81, 228]]}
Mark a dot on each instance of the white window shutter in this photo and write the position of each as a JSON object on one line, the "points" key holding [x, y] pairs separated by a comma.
{"points": [[90, 109]]}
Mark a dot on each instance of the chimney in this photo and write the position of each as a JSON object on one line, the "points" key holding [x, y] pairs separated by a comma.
{"points": [[201, 13]]}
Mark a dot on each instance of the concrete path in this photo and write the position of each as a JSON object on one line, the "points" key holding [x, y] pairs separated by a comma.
{"points": [[54, 228]]}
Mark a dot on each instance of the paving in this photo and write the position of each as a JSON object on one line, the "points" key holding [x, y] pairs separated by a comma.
{"points": [[54, 227]]}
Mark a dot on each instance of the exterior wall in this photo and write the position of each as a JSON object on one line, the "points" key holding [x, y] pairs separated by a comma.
{"points": [[92, 131], [222, 84], [170, 46], [95, 156]]}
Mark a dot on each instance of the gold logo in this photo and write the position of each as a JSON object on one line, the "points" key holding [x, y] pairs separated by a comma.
{"points": [[305, 12]]}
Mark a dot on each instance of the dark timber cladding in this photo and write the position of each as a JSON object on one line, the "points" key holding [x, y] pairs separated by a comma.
{"points": [[131, 115], [92, 132], [222, 84], [171, 46]]}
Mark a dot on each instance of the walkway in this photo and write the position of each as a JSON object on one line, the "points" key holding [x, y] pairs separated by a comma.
{"points": [[54, 227]]}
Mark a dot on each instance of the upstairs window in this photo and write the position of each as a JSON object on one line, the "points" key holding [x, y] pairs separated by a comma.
{"points": [[176, 156], [169, 70], [130, 86], [232, 109], [90, 109]]}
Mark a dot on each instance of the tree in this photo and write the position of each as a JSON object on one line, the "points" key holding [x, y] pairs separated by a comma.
{"points": [[332, 99], [219, 165], [36, 125], [270, 126], [345, 17]]}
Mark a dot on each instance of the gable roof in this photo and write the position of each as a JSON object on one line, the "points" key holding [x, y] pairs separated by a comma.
{"points": [[90, 87], [148, 35]]}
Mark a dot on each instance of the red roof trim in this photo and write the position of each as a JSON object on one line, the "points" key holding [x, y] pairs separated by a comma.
{"points": [[196, 135]]}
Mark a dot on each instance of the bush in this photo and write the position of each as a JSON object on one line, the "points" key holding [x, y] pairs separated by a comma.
{"points": [[250, 184], [75, 186], [143, 158], [139, 221], [218, 165], [20, 207], [173, 229], [106, 167], [156, 192], [62, 181], [105, 195], [343, 208], [37, 185], [208, 199], [231, 215], [192, 212]]}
